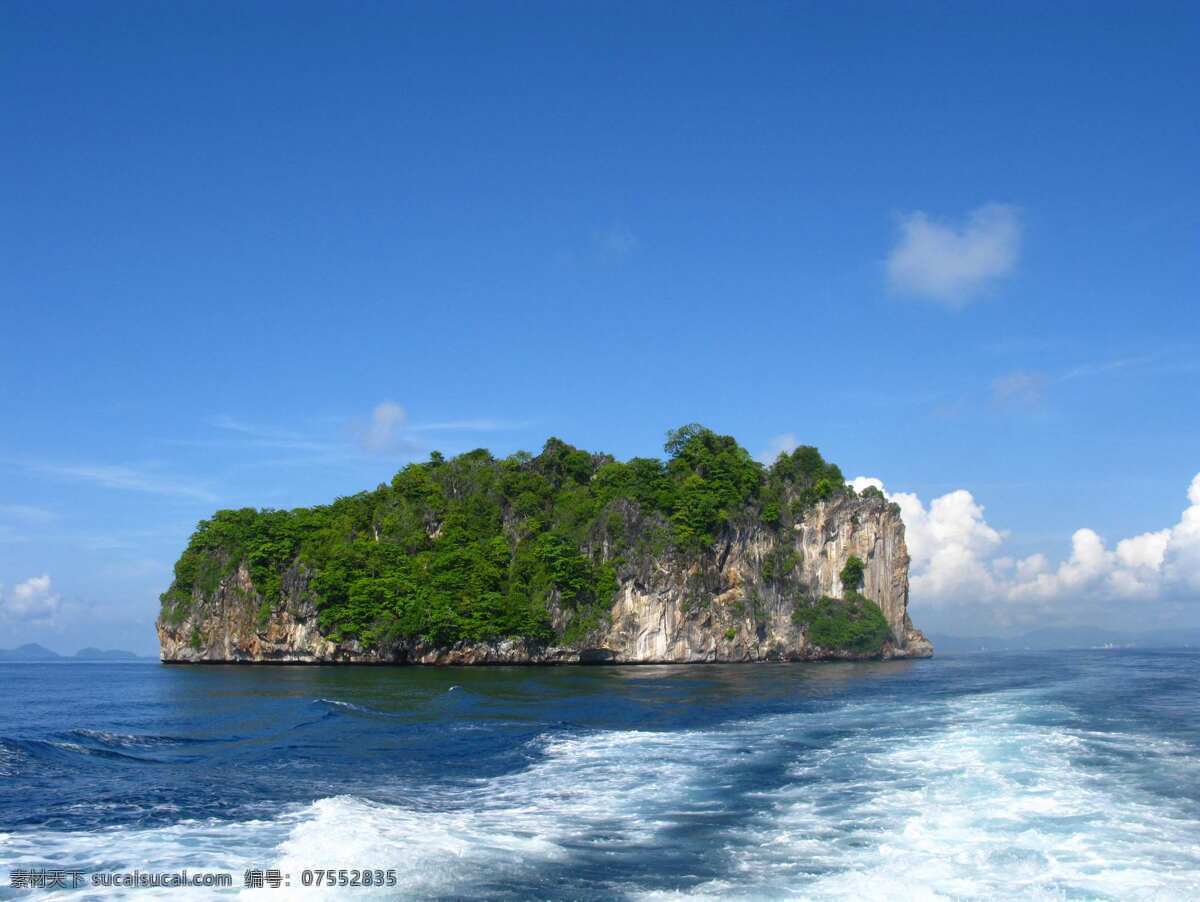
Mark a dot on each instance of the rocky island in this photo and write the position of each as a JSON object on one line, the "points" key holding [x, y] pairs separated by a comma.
{"points": [[563, 557]]}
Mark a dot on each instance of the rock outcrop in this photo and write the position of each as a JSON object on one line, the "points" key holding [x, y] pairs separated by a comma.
{"points": [[737, 606]]}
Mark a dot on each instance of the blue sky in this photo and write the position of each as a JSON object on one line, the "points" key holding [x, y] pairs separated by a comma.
{"points": [[263, 254]]}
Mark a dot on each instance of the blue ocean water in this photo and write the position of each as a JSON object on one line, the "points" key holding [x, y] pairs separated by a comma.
{"points": [[1048, 775]]}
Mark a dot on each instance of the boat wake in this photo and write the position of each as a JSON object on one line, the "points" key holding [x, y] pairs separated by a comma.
{"points": [[979, 797]]}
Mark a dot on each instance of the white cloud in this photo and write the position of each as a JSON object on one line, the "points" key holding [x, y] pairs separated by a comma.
{"points": [[861, 482], [31, 601], [385, 430], [957, 560], [1182, 556], [949, 264], [780, 444], [952, 542]]}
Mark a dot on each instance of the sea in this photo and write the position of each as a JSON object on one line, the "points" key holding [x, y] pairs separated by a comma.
{"points": [[1049, 775]]}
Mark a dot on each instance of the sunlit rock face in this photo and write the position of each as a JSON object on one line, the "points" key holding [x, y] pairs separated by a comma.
{"points": [[733, 605], [745, 616]]}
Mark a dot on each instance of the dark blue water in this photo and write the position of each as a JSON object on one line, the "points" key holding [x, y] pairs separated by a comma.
{"points": [[1058, 775]]}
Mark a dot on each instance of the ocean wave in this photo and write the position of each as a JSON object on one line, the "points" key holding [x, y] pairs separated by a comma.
{"points": [[347, 706], [143, 740], [64, 751], [81, 751], [976, 798]]}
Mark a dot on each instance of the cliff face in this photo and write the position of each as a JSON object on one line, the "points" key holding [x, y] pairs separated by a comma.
{"points": [[737, 605]]}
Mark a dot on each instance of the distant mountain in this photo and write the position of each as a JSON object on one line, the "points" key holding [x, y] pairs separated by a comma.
{"points": [[29, 652], [1066, 638], [34, 652], [105, 654]]}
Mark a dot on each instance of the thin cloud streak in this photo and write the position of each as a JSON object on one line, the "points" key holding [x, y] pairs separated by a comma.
{"points": [[482, 425], [1029, 389], [122, 478], [1098, 369], [27, 513], [264, 437]]}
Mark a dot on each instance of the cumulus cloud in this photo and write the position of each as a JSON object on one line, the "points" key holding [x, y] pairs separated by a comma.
{"points": [[957, 557], [950, 263], [1182, 556], [31, 601], [953, 542]]}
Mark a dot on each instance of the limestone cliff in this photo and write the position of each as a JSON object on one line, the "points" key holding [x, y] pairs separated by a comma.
{"points": [[735, 604]]}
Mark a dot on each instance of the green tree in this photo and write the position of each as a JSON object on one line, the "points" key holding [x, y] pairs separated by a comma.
{"points": [[852, 574]]}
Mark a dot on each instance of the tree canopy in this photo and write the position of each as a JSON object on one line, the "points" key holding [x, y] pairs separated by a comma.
{"points": [[474, 547]]}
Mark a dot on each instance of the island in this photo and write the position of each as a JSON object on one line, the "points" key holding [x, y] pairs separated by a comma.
{"points": [[563, 557]]}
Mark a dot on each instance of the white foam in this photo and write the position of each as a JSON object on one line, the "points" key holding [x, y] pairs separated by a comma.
{"points": [[616, 784], [8, 761], [197, 845], [989, 804], [989, 807]]}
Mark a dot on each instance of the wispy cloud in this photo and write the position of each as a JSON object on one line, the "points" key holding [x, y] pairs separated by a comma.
{"points": [[1035, 389], [616, 242], [267, 437], [348, 440], [128, 540], [124, 478], [1028, 389], [386, 430], [779, 444], [1019, 389], [19, 521], [1108, 366], [483, 425], [951, 263], [26, 513], [230, 424]]}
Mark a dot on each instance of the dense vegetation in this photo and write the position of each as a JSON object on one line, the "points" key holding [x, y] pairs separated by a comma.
{"points": [[476, 547], [853, 623]]}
